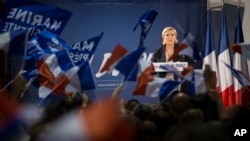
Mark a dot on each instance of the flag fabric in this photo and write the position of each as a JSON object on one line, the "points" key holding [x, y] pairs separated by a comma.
{"points": [[195, 84], [146, 21], [240, 64], [242, 48], [118, 52], [24, 14], [242, 78], [41, 45], [238, 33], [187, 48], [167, 88], [84, 50], [59, 75], [150, 88], [180, 75], [147, 83], [45, 42], [209, 54], [128, 63], [193, 81], [140, 67], [52, 74], [226, 80], [83, 79]]}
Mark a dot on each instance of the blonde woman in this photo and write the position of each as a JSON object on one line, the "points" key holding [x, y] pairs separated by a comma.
{"points": [[167, 48]]}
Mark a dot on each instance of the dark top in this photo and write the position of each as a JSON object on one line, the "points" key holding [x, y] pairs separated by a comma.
{"points": [[159, 56]]}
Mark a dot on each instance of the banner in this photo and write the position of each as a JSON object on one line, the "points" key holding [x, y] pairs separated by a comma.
{"points": [[21, 14]]}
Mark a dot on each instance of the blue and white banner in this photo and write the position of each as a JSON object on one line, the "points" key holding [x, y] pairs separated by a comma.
{"points": [[84, 50], [24, 14], [44, 43]]}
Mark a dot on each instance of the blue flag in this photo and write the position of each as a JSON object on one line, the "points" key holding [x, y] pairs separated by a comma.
{"points": [[84, 50], [146, 21], [22, 14], [129, 62], [167, 88], [86, 77], [44, 43]]}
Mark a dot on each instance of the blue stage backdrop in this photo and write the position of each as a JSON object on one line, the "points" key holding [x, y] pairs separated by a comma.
{"points": [[116, 19]]}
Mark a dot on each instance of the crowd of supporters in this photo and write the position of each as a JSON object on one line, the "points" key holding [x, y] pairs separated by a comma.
{"points": [[179, 118]]}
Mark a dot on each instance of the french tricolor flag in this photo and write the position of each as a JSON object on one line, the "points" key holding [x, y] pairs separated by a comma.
{"points": [[241, 86], [226, 79], [52, 75], [59, 75], [147, 83], [240, 63], [210, 56]]}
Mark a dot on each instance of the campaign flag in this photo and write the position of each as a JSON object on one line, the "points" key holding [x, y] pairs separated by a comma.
{"points": [[168, 88], [83, 79], [180, 75], [195, 84], [41, 45], [146, 82], [59, 75], [149, 86], [118, 52], [209, 54], [244, 80], [24, 14], [84, 50], [45, 42], [187, 47], [52, 74], [140, 67], [128, 63], [146, 21], [226, 79]]}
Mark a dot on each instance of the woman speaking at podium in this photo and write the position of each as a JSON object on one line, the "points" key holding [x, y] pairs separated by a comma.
{"points": [[167, 48]]}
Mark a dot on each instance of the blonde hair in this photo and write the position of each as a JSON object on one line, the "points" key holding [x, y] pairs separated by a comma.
{"points": [[167, 29]]}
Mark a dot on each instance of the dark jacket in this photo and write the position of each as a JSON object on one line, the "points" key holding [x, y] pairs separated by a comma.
{"points": [[159, 56]]}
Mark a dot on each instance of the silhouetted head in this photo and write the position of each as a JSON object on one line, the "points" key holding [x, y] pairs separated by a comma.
{"points": [[180, 103]]}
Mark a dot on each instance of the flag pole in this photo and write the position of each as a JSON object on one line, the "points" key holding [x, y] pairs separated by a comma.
{"points": [[96, 89], [179, 27]]}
